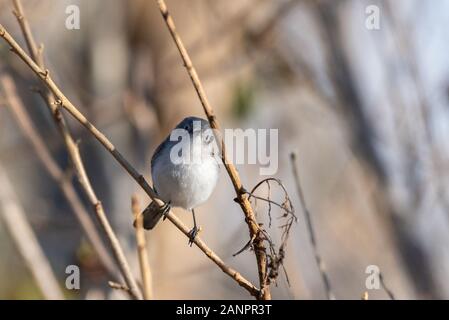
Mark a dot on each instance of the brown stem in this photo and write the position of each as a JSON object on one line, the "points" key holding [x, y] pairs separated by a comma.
{"points": [[385, 287], [118, 286], [242, 199], [25, 239], [44, 75], [55, 172]]}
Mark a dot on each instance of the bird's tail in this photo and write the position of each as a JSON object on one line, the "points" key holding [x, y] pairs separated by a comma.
{"points": [[151, 216]]}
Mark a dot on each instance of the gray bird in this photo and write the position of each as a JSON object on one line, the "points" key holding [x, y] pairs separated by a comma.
{"points": [[184, 170]]}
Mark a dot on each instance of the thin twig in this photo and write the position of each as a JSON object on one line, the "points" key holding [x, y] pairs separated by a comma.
{"points": [[276, 256], [118, 286], [24, 238], [384, 286], [56, 173], [250, 218], [144, 261], [44, 75], [319, 261], [26, 30], [73, 150]]}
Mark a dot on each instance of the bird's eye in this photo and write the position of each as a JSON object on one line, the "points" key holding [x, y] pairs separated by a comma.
{"points": [[186, 127], [208, 138]]}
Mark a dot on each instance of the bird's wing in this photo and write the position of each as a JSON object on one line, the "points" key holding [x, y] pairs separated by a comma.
{"points": [[157, 152]]}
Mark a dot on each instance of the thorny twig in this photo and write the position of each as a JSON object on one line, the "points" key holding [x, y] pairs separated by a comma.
{"points": [[319, 261]]}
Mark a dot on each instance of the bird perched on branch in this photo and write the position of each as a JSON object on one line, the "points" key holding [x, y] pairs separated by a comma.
{"points": [[184, 170]]}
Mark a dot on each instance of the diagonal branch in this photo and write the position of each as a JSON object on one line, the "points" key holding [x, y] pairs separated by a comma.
{"points": [[58, 175], [26, 30], [318, 260], [385, 287], [144, 261], [73, 151], [62, 101], [242, 199], [55, 172]]}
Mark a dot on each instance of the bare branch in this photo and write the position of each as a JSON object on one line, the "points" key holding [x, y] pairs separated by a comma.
{"points": [[242, 200], [118, 286], [319, 261], [144, 261], [276, 256], [55, 172], [72, 148], [384, 286], [24, 238]]}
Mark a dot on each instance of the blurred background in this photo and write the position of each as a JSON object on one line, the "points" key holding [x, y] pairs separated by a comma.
{"points": [[365, 109]]}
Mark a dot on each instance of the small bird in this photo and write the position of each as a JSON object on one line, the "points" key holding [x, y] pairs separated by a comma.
{"points": [[184, 170]]}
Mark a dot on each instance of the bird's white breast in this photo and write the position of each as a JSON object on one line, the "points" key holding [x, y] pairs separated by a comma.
{"points": [[188, 184]]}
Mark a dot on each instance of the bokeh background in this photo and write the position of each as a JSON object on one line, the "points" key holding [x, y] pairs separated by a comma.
{"points": [[366, 111]]}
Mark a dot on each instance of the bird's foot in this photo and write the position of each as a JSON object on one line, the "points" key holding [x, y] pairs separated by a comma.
{"points": [[193, 233], [165, 209]]}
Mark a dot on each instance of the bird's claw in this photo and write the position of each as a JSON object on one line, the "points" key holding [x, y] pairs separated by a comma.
{"points": [[165, 209], [192, 234]]}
